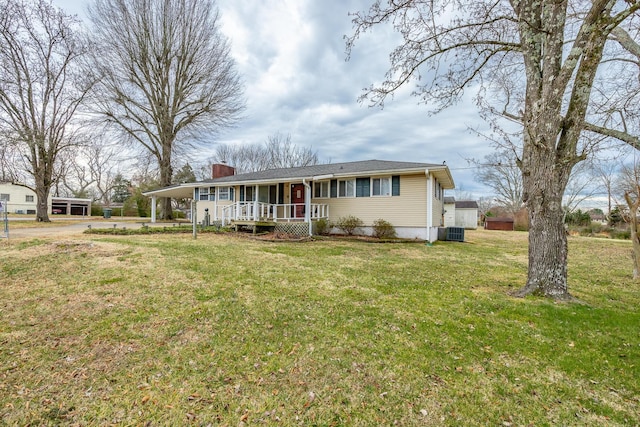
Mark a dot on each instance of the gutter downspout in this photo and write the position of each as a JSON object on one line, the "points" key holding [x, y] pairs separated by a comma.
{"points": [[307, 204], [429, 205]]}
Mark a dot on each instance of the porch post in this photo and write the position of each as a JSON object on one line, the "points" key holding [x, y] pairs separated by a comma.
{"points": [[307, 205], [256, 197], [194, 218], [153, 208]]}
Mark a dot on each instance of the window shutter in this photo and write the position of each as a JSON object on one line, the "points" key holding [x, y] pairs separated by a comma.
{"points": [[281, 193], [363, 187], [242, 193], [334, 188], [395, 185], [231, 191], [196, 195]]}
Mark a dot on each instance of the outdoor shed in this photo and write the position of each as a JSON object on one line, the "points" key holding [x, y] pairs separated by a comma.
{"points": [[460, 213], [467, 214], [505, 224]]}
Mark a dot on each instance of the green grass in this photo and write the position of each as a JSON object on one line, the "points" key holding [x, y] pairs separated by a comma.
{"points": [[228, 331]]}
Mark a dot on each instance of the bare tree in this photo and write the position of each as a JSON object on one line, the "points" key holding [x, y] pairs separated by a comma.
{"points": [[166, 75], [278, 151], [581, 186], [499, 172], [484, 206], [75, 179], [628, 185], [605, 171], [245, 158], [10, 161], [40, 88], [555, 49], [282, 153]]}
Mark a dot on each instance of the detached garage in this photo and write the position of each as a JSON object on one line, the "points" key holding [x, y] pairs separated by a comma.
{"points": [[70, 206]]}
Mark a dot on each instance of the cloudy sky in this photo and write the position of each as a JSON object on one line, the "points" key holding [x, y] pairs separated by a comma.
{"points": [[291, 55]]}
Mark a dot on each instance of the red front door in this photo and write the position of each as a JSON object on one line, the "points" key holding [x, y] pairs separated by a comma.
{"points": [[297, 199]]}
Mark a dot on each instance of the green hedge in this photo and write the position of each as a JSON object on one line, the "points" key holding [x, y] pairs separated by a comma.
{"points": [[180, 229]]}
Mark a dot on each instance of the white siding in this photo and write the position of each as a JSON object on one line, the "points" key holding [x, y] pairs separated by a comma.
{"points": [[18, 198], [467, 218], [449, 215]]}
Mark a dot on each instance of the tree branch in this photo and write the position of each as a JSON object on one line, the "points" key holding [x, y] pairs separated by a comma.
{"points": [[634, 141]]}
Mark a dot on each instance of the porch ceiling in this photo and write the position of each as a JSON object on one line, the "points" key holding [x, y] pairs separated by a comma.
{"points": [[176, 192]]}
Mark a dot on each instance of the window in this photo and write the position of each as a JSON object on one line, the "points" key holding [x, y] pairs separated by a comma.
{"points": [[321, 189], [381, 186], [29, 198], [363, 187], [204, 193], [5, 197], [347, 188], [395, 185], [224, 193], [248, 194]]}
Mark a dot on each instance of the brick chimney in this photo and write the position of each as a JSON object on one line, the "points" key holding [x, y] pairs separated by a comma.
{"points": [[220, 169]]}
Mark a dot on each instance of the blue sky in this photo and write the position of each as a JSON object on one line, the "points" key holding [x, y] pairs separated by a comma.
{"points": [[291, 55]]}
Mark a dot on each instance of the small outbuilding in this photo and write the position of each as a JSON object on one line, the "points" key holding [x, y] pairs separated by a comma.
{"points": [[505, 224], [460, 213]]}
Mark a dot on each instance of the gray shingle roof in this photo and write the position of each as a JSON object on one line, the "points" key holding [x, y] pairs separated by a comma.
{"points": [[337, 170], [467, 204], [365, 166]]}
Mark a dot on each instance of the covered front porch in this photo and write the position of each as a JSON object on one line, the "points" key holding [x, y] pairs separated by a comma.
{"points": [[269, 212], [255, 206]]}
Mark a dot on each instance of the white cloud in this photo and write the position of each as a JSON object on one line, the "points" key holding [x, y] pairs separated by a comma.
{"points": [[291, 55]]}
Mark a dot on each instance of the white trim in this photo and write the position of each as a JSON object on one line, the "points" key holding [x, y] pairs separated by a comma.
{"points": [[429, 204], [381, 178]]}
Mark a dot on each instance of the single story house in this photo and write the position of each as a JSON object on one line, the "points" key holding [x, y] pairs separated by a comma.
{"points": [[408, 195], [20, 199], [460, 213]]}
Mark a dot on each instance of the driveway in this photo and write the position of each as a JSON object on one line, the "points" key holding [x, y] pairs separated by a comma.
{"points": [[77, 228]]}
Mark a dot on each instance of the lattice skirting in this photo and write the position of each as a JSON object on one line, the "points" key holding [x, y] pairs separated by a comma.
{"points": [[294, 228]]}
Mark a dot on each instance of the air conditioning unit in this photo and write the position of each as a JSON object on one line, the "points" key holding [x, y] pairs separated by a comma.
{"points": [[455, 234]]}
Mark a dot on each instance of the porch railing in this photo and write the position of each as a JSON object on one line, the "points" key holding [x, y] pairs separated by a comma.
{"points": [[259, 211]]}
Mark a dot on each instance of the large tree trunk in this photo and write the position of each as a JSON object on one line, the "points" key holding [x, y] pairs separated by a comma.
{"points": [[633, 224], [166, 175], [42, 165], [42, 205], [636, 248], [547, 274], [545, 178]]}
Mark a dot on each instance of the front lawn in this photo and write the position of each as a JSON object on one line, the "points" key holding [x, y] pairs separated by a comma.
{"points": [[231, 331]]}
